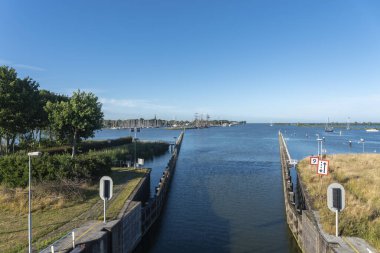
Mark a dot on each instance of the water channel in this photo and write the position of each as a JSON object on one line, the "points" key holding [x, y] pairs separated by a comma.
{"points": [[226, 194]]}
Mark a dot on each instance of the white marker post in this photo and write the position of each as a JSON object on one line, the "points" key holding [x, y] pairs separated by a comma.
{"points": [[105, 192], [336, 202], [362, 141], [73, 235], [319, 140]]}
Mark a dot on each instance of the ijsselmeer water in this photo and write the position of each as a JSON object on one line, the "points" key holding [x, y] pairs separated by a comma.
{"points": [[226, 194]]}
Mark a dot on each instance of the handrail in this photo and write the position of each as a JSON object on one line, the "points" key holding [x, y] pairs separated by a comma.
{"points": [[289, 160]]}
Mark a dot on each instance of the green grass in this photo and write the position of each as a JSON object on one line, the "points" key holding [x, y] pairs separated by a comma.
{"points": [[360, 176], [133, 177], [52, 211]]}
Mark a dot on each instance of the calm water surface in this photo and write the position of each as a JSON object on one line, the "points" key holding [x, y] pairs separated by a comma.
{"points": [[226, 194]]}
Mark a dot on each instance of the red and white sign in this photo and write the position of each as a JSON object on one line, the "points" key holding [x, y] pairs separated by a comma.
{"points": [[314, 160], [323, 167]]}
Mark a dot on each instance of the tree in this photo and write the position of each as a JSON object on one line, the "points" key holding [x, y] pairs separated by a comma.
{"points": [[75, 119], [47, 96], [19, 107]]}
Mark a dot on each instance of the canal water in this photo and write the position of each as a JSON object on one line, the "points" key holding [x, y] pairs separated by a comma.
{"points": [[226, 194]]}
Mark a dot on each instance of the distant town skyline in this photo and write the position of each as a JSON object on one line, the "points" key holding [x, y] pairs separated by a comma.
{"points": [[257, 61]]}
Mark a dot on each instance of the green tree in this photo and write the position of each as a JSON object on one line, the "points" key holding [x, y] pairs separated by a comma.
{"points": [[19, 105], [75, 119], [45, 97]]}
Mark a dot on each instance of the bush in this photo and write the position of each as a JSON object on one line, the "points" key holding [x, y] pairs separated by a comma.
{"points": [[146, 150], [89, 145], [14, 169]]}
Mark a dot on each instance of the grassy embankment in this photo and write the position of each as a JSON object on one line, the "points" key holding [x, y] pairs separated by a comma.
{"points": [[360, 176], [58, 208]]}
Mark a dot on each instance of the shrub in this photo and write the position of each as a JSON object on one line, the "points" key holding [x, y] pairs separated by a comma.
{"points": [[14, 170], [86, 146]]}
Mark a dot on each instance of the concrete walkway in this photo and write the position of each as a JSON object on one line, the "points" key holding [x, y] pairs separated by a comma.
{"points": [[346, 244], [90, 231]]}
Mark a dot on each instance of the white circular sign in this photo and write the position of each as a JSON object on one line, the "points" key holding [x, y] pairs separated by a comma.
{"points": [[103, 184], [330, 197]]}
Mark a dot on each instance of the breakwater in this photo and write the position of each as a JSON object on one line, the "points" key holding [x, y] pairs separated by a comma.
{"points": [[139, 213]]}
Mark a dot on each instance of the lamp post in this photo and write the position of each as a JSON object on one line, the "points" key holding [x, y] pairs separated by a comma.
{"points": [[320, 144], [134, 164], [30, 199], [362, 141]]}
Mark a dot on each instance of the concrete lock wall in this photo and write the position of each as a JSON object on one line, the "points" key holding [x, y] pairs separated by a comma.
{"points": [[136, 217], [300, 218], [131, 228]]}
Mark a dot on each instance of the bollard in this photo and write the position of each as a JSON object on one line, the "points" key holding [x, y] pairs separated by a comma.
{"points": [[52, 249], [73, 235]]}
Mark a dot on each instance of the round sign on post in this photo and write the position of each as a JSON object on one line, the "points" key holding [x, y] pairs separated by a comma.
{"points": [[106, 188], [105, 192], [336, 202], [335, 197]]}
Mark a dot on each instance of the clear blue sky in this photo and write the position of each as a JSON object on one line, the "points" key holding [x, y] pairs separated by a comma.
{"points": [[245, 60]]}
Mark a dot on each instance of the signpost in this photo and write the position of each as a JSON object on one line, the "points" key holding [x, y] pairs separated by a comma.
{"points": [[336, 201], [105, 191], [323, 167]]}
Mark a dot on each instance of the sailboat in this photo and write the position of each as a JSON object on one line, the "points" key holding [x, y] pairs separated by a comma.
{"points": [[271, 124], [329, 128], [348, 124]]}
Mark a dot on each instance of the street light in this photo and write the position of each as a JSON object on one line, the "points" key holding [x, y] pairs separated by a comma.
{"points": [[320, 144], [30, 199], [134, 164], [362, 141]]}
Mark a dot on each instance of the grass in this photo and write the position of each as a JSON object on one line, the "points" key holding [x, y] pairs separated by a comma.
{"points": [[360, 176], [133, 176], [57, 209]]}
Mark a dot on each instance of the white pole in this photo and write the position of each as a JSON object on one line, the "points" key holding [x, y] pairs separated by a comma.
{"points": [[134, 164], [52, 249], [321, 149], [336, 223], [318, 147], [30, 207], [73, 235], [104, 219]]}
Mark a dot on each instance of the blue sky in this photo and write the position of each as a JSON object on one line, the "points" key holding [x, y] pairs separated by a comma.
{"points": [[258, 61]]}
